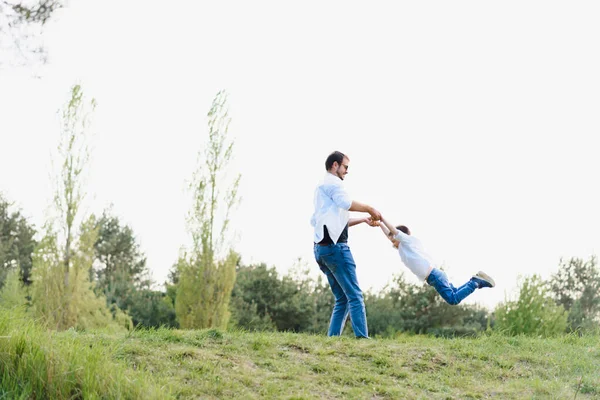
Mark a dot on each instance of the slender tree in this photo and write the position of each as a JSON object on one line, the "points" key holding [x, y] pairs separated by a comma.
{"points": [[207, 271], [62, 294], [74, 153]]}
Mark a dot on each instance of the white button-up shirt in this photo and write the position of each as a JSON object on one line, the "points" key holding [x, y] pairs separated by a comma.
{"points": [[332, 203]]}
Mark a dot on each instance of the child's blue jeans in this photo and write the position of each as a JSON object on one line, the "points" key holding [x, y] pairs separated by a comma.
{"points": [[439, 280]]}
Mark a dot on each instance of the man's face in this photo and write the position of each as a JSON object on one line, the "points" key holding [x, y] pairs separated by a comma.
{"points": [[342, 169]]}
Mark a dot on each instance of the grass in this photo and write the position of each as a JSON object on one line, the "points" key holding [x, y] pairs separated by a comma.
{"points": [[211, 364], [40, 364]]}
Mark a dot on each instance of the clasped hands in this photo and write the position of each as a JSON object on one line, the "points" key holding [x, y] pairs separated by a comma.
{"points": [[374, 219]]}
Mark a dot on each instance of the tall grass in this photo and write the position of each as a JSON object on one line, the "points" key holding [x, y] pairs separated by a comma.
{"points": [[41, 364]]}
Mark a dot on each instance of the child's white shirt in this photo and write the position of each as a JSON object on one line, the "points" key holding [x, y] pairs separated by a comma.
{"points": [[413, 255]]}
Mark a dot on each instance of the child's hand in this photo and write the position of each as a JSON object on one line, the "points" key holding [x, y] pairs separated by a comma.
{"points": [[370, 221]]}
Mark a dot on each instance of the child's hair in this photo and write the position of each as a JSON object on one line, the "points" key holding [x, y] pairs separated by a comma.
{"points": [[404, 229]]}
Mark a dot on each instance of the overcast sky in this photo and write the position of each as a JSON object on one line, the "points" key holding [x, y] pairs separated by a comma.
{"points": [[474, 123]]}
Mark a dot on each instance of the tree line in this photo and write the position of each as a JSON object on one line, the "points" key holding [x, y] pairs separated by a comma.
{"points": [[87, 272], [263, 299]]}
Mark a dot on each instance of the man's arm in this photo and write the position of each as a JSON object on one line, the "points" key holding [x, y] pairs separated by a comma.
{"points": [[340, 197], [357, 206]]}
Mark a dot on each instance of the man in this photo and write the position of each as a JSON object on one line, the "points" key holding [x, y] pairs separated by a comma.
{"points": [[331, 222]]}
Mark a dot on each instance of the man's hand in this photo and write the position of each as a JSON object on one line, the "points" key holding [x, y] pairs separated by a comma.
{"points": [[375, 215]]}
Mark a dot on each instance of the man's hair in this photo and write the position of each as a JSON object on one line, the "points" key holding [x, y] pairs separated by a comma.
{"points": [[336, 156], [404, 229]]}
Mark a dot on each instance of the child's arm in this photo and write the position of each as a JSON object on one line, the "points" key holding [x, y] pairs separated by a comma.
{"points": [[385, 230], [367, 220], [390, 228], [356, 221]]}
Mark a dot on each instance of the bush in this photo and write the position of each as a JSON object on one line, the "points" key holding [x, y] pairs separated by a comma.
{"points": [[261, 300], [533, 313], [404, 307], [576, 286]]}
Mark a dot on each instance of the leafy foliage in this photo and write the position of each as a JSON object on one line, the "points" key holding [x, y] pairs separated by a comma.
{"points": [[75, 305], [62, 294], [404, 307], [576, 286], [263, 301], [207, 272], [120, 266], [17, 243], [14, 293], [533, 313], [152, 309]]}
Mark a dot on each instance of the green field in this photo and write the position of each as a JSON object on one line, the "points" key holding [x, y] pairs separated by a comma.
{"points": [[214, 364]]}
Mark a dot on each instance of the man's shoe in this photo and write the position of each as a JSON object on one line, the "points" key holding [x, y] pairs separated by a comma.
{"points": [[483, 280]]}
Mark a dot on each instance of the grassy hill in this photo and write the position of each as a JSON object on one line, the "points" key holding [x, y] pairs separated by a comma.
{"points": [[213, 364]]}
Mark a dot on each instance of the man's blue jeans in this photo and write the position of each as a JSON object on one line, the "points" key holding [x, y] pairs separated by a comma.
{"points": [[338, 265], [439, 280]]}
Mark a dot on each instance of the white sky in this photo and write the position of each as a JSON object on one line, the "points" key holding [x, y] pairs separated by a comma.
{"points": [[474, 123]]}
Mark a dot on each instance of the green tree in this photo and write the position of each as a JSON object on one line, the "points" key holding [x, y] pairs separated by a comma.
{"points": [[405, 307], [74, 155], [61, 306], [14, 293], [16, 243], [576, 287], [324, 301], [20, 27], [261, 300], [152, 309], [62, 294], [207, 271], [120, 269], [534, 312]]}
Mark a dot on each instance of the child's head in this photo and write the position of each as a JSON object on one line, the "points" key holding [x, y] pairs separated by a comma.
{"points": [[401, 228], [404, 229]]}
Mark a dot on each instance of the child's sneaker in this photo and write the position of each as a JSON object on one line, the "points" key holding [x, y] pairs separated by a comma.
{"points": [[483, 280]]}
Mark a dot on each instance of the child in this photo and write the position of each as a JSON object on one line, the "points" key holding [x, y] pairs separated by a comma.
{"points": [[413, 255]]}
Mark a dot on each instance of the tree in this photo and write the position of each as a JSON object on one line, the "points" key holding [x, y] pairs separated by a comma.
{"points": [[74, 153], [534, 312], [576, 286], [261, 300], [21, 24], [404, 307], [62, 294], [120, 268], [61, 306], [152, 309], [16, 243], [122, 276], [207, 271], [14, 293]]}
